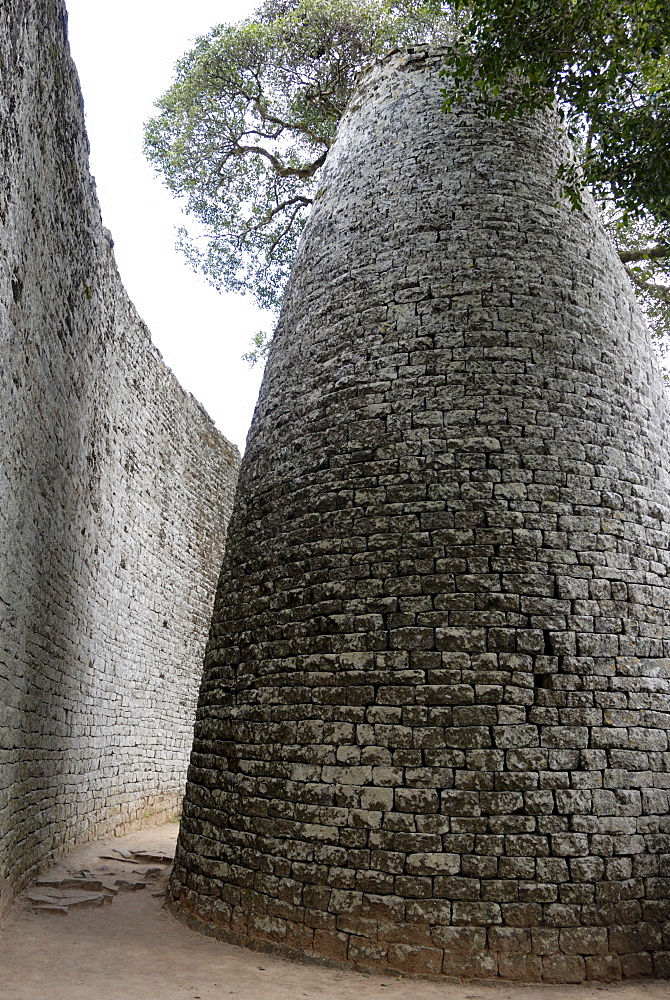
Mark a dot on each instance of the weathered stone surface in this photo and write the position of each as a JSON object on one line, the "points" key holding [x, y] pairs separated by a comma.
{"points": [[152, 856], [115, 488], [129, 885], [85, 884], [438, 671], [66, 900]]}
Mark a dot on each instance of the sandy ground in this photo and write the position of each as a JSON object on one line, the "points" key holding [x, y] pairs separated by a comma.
{"points": [[134, 950]]}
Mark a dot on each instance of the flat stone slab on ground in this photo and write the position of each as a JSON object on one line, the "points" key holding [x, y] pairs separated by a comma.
{"points": [[51, 897], [129, 885], [149, 872], [82, 884], [59, 911], [153, 857]]}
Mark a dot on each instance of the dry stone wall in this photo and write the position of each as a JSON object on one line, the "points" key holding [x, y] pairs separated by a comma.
{"points": [[115, 489], [433, 727]]}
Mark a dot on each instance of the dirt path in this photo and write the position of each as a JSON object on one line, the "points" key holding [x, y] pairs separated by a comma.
{"points": [[132, 949]]}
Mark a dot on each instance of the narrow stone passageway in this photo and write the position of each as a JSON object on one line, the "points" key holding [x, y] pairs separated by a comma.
{"points": [[132, 949]]}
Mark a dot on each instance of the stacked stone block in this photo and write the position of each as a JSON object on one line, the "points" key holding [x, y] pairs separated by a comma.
{"points": [[115, 489], [433, 727]]}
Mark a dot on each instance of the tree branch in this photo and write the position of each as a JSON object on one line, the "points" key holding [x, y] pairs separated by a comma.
{"points": [[661, 292], [293, 126], [279, 237], [653, 253], [304, 173], [299, 201]]}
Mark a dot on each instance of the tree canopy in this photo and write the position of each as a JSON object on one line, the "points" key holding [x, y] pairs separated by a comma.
{"points": [[247, 124], [605, 64], [244, 129]]}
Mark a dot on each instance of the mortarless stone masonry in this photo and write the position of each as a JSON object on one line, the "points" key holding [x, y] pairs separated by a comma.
{"points": [[433, 726], [115, 488]]}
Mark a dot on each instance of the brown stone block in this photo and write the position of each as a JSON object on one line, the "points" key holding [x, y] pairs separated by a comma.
{"points": [[289, 891], [374, 882], [509, 939], [416, 800], [353, 923], [433, 864], [634, 938], [415, 961], [629, 911], [221, 914], [658, 888], [526, 845], [231, 894], [580, 893], [392, 862], [544, 940], [389, 909], [478, 866], [537, 892], [603, 968], [456, 888], [316, 897], [563, 969], [479, 966], [330, 945], [561, 915], [522, 914], [522, 868], [417, 887], [429, 911], [272, 928], [655, 911], [459, 940], [254, 902], [583, 940], [636, 964], [239, 923], [377, 798], [363, 951], [661, 961], [343, 901], [481, 914], [521, 968], [500, 890], [317, 918], [460, 640], [299, 937], [414, 934], [342, 878]]}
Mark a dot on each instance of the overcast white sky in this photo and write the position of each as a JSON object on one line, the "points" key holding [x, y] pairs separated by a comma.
{"points": [[125, 52]]}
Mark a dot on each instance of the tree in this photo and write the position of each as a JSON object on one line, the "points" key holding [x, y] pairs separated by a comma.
{"points": [[247, 124], [245, 128], [605, 64]]}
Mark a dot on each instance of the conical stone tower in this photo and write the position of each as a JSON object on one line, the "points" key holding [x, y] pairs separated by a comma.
{"points": [[433, 726]]}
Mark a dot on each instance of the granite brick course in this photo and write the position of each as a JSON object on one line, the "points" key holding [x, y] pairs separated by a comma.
{"points": [[115, 489], [433, 727]]}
